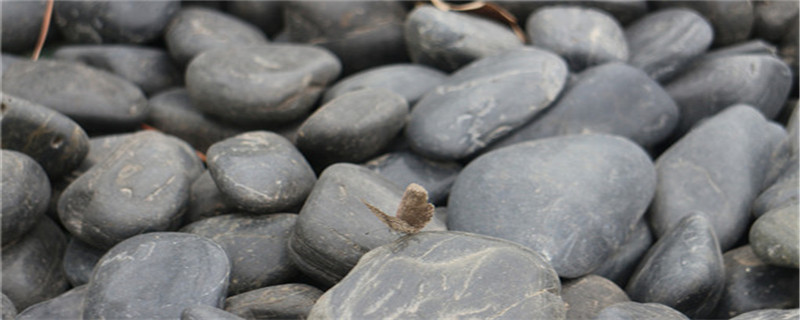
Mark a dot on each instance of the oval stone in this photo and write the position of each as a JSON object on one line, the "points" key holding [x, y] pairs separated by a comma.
{"points": [[437, 275], [26, 194], [484, 101], [266, 15], [67, 306], [205, 200], [782, 194], [113, 21], [260, 172], [263, 84], [157, 275], [21, 23], [635, 311], [620, 266], [774, 19], [775, 237], [286, 301], [79, 261], [408, 80], [204, 312], [769, 314], [573, 199], [586, 296], [732, 20], [404, 168]]}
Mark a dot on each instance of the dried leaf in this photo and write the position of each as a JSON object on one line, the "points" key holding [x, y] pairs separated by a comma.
{"points": [[413, 213]]}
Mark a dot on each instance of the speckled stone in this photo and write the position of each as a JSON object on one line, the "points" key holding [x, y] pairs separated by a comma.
{"points": [[586, 296], [408, 80], [79, 261], [635, 311], [113, 21], [405, 167], [286, 301], [446, 275], [204, 312], [769, 314], [21, 23], [775, 237], [620, 266], [67, 306], [26, 194]]}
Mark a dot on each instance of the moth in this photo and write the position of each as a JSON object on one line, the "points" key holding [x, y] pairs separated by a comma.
{"points": [[413, 213]]}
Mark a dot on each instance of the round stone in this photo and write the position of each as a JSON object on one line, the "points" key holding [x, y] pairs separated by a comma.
{"points": [[769, 314], [775, 237], [79, 261], [732, 20], [408, 80], [204, 312], [21, 21], [113, 21], [68, 305], [586, 296], [635, 310], [26, 194], [620, 266], [286, 301]]}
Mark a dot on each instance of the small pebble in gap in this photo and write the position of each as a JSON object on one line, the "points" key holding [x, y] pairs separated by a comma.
{"points": [[206, 200], [286, 301], [203, 312], [775, 237], [586, 296], [86, 21], [636, 311], [411, 81], [26, 194], [405, 167], [620, 266], [79, 261], [67, 306]]}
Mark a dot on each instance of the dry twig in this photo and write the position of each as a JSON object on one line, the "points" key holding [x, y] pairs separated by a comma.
{"points": [[48, 13]]}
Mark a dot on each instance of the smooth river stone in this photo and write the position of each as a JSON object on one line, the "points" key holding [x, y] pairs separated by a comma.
{"points": [[195, 30], [775, 237], [714, 84], [573, 199], [408, 80], [266, 15], [774, 19], [770, 314], [142, 186], [7, 309], [32, 266], [718, 168], [751, 284], [26, 194], [405, 167], [94, 98], [353, 127], [67, 306], [128, 21], [149, 68], [286, 301], [732, 20], [260, 172], [21, 23], [334, 228], [79, 261], [582, 36], [621, 264], [665, 41], [586, 296], [204, 312], [205, 200], [263, 84], [437, 275], [484, 101], [56, 142], [256, 245], [449, 40], [157, 275], [594, 103], [637, 311], [782, 194], [684, 269]]}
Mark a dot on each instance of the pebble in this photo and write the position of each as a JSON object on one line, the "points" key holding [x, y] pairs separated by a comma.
{"points": [[683, 269], [286, 301], [204, 312], [450, 40], [353, 127], [66, 306], [662, 43], [769, 314], [274, 83], [751, 284], [775, 237], [7, 309], [266, 15], [742, 48], [21, 22], [31, 270], [593, 103], [783, 193], [194, 30], [582, 36], [334, 228], [437, 275], [96, 99], [362, 34], [718, 168], [79, 261], [26, 194], [635, 310], [205, 200], [586, 296], [256, 246], [773, 19], [157, 275], [149, 68], [620, 266], [409, 80], [260, 172], [128, 21], [405, 167], [573, 199], [484, 101], [9, 59], [142, 186], [56, 142]]}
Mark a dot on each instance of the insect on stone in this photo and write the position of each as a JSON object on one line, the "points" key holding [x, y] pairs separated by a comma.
{"points": [[413, 213]]}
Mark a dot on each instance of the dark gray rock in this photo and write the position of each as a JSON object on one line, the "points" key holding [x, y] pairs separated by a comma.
{"points": [[775, 237], [751, 284], [773, 19], [769, 314], [732, 20], [484, 101], [635, 311], [286, 301], [683, 270], [408, 80], [21, 23], [573, 199], [782, 194], [157, 275], [353, 127], [113, 21], [26, 194], [404, 168], [362, 34], [67, 306], [7, 309], [334, 228], [206, 200], [586, 296], [788, 46], [266, 15], [142, 186], [94, 98], [260, 172], [194, 30], [56, 142], [79, 261], [450, 40], [32, 266], [583, 36], [263, 84], [665, 41], [436, 275], [203, 312], [9, 59], [256, 246], [595, 102], [714, 84], [620, 266], [718, 168], [149, 68]]}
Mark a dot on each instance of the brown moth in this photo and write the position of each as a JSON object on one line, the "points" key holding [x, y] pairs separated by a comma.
{"points": [[413, 213]]}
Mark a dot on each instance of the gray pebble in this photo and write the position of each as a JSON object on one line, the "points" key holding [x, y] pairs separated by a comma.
{"points": [[408, 80], [67, 306], [206, 200], [636, 311], [79, 261], [7, 309], [775, 237], [204, 312], [732, 20], [405, 167], [770, 314], [21, 22], [26, 194], [128, 21], [620, 266], [286, 301], [586, 296]]}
